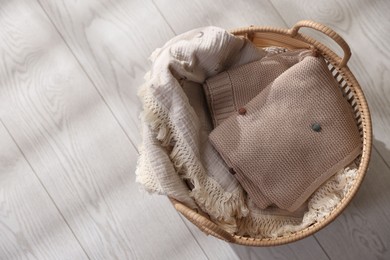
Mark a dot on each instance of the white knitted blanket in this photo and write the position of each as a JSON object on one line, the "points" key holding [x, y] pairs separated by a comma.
{"points": [[175, 127]]}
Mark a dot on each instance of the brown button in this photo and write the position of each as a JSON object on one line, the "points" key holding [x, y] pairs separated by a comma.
{"points": [[232, 171], [242, 111]]}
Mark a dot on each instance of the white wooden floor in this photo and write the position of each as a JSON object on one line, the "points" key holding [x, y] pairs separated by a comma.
{"points": [[69, 72]]}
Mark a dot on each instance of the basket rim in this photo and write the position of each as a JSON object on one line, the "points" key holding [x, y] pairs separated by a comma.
{"points": [[251, 32]]}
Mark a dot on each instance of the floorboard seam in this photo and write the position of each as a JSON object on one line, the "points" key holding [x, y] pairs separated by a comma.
{"points": [[165, 19], [44, 188], [323, 249], [280, 16], [192, 234], [380, 155], [89, 78]]}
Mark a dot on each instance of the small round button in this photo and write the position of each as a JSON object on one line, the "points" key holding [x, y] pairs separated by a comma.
{"points": [[242, 111], [316, 127], [232, 171]]}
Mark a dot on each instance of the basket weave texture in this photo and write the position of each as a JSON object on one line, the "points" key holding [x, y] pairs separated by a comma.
{"points": [[291, 39]]}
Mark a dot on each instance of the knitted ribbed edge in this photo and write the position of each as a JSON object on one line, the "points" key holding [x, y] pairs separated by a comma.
{"points": [[219, 90], [207, 193]]}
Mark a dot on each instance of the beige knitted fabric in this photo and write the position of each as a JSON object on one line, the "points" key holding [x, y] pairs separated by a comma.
{"points": [[231, 89], [291, 137]]}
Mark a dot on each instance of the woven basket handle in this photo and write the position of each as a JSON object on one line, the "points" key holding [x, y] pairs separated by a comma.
{"points": [[203, 223], [329, 32]]}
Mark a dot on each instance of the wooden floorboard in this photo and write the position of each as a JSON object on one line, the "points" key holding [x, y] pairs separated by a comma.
{"points": [[112, 40], [30, 225], [77, 148], [187, 14], [212, 247]]}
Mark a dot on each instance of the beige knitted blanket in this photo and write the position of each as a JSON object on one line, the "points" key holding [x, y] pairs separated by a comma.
{"points": [[175, 152]]}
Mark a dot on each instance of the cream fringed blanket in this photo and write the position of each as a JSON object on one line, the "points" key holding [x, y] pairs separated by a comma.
{"points": [[170, 123], [175, 146]]}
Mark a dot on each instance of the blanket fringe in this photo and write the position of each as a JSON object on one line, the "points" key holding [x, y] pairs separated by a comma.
{"points": [[263, 225], [222, 206]]}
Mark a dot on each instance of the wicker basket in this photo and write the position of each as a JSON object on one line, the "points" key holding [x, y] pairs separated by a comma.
{"points": [[292, 39]]}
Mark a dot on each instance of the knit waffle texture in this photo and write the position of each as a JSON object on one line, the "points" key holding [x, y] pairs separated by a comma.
{"points": [[290, 138], [231, 89]]}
